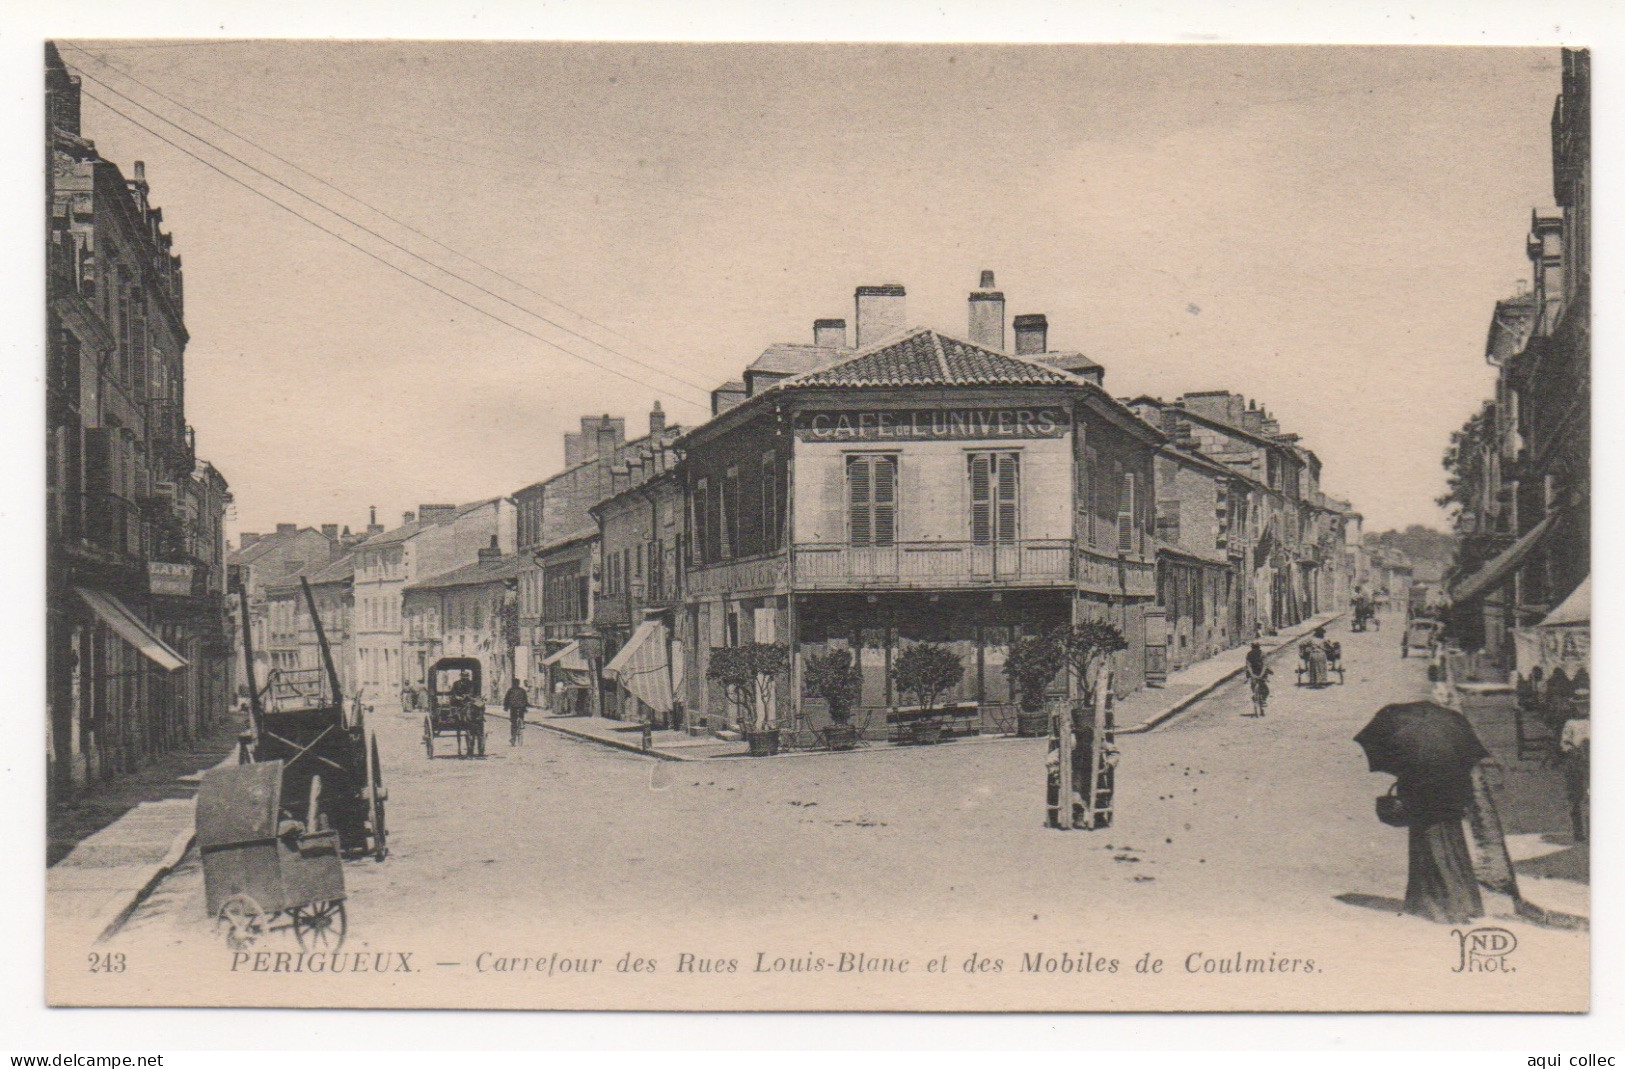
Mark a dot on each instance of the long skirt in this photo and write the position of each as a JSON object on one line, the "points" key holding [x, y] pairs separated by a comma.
{"points": [[1317, 668], [1441, 886]]}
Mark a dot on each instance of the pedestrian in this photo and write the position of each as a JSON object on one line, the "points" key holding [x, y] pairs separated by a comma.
{"points": [[1440, 884], [517, 702], [1314, 657], [1258, 674], [1574, 754]]}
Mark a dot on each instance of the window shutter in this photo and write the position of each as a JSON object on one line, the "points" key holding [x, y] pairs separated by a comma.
{"points": [[1009, 497], [1125, 516], [885, 507], [981, 499], [860, 500]]}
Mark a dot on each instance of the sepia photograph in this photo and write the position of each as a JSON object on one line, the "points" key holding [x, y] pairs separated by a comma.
{"points": [[587, 525]]}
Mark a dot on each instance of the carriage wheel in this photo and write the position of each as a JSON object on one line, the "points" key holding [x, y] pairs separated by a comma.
{"points": [[375, 804], [243, 921], [428, 737], [320, 925]]}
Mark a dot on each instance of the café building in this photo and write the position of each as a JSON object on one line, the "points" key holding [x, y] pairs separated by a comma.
{"points": [[915, 488]]}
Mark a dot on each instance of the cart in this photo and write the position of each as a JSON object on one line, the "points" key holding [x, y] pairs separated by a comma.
{"points": [[268, 866], [328, 755], [456, 706]]}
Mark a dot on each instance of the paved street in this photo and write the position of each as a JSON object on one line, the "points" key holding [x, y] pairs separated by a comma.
{"points": [[1232, 833]]}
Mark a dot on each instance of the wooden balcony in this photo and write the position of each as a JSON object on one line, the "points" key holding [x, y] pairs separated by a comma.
{"points": [[933, 565]]}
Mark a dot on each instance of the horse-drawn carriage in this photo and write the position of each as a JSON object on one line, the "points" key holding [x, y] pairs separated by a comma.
{"points": [[1332, 651], [1365, 614], [331, 774], [456, 706]]}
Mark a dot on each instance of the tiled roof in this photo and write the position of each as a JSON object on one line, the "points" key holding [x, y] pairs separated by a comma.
{"points": [[407, 530], [336, 572], [266, 544], [483, 571], [788, 358], [923, 357]]}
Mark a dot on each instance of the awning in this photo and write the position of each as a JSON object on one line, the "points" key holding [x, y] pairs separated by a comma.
{"points": [[642, 666], [1503, 564], [132, 629], [569, 658], [1575, 610]]}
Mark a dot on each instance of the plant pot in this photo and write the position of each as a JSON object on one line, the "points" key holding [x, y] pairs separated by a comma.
{"points": [[763, 743], [925, 732], [842, 736], [1031, 724]]}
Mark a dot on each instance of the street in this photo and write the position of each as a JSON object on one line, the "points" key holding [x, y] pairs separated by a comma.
{"points": [[1232, 834]]}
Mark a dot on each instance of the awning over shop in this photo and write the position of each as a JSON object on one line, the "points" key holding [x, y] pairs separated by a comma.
{"points": [[643, 668], [131, 629], [1575, 610], [1502, 565], [569, 658]]}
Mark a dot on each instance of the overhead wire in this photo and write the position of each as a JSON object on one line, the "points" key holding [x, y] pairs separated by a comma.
{"points": [[385, 238], [369, 252]]}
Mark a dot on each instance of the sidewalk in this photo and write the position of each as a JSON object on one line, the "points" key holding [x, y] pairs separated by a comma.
{"points": [[92, 891], [1152, 707], [1141, 711]]}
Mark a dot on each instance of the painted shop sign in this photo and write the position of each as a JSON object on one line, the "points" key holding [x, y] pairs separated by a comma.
{"points": [[914, 424], [173, 580]]}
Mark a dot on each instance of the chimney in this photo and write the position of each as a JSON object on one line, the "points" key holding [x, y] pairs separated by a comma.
{"points": [[657, 420], [1032, 335], [407, 518], [286, 528], [727, 396], [140, 173], [987, 315], [373, 526], [829, 333], [246, 539], [330, 531], [490, 552], [881, 310], [435, 513]]}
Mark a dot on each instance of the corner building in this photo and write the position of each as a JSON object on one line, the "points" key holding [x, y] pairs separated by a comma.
{"points": [[920, 488]]}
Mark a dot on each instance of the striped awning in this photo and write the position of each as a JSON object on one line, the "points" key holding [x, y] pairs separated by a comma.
{"points": [[643, 667], [1500, 568], [568, 658], [132, 629]]}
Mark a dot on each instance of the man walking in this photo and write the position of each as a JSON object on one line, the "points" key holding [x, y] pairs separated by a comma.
{"points": [[517, 702]]}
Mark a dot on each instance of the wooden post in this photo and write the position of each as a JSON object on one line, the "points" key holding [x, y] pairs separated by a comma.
{"points": [[1065, 741]]}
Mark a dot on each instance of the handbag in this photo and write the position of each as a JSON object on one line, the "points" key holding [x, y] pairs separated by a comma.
{"points": [[1391, 809]]}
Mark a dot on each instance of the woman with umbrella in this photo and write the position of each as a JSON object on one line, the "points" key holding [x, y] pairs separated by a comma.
{"points": [[1431, 750]]}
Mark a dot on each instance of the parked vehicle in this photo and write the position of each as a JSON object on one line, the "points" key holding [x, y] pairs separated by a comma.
{"points": [[299, 718], [456, 706], [1420, 634]]}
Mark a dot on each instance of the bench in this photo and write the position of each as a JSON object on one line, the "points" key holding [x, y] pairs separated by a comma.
{"points": [[914, 724]]}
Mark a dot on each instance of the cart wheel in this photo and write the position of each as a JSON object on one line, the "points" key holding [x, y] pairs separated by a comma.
{"points": [[375, 803], [320, 925], [428, 738], [243, 920]]}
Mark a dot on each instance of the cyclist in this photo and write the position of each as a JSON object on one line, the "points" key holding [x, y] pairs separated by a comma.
{"points": [[1258, 674]]}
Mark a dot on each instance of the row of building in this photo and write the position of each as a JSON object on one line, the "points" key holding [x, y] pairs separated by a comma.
{"points": [[137, 642], [867, 490], [1523, 464]]}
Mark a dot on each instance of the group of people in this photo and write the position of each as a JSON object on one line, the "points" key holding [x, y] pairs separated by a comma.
{"points": [[1319, 654], [1564, 705]]}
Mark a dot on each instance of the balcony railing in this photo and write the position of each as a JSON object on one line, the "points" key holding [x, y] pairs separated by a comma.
{"points": [[1034, 562]]}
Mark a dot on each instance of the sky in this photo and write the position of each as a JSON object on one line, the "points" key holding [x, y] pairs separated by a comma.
{"points": [[1323, 229]]}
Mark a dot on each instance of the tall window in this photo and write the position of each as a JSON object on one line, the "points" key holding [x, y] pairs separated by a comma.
{"points": [[1126, 511], [995, 497], [770, 503], [728, 508], [699, 520], [871, 493]]}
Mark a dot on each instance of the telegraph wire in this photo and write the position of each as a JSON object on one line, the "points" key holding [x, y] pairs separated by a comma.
{"points": [[363, 249], [345, 193], [390, 241]]}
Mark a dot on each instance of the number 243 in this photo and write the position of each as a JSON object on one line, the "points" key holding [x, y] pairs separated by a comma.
{"points": [[110, 962]]}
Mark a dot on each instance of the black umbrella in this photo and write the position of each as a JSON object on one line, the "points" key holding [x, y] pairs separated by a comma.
{"points": [[1420, 739]]}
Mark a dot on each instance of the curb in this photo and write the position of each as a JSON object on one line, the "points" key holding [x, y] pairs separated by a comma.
{"points": [[614, 744], [114, 919], [1195, 696]]}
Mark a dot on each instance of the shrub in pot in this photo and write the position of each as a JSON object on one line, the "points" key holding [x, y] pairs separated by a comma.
{"points": [[1031, 665], [749, 675], [927, 671], [834, 678]]}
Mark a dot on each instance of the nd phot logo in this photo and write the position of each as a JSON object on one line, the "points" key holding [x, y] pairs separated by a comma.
{"points": [[1485, 949]]}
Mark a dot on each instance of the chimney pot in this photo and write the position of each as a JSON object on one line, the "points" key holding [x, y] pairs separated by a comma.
{"points": [[881, 312], [987, 315], [829, 333], [1032, 335], [657, 420], [140, 171], [987, 280]]}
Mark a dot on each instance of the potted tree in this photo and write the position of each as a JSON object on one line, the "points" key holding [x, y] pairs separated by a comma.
{"points": [[1031, 665], [927, 670], [750, 676], [834, 678]]}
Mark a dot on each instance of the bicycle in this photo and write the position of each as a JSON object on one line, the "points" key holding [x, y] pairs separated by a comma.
{"points": [[1260, 687]]}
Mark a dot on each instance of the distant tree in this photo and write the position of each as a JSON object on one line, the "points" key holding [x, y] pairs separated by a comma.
{"points": [[1464, 465]]}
